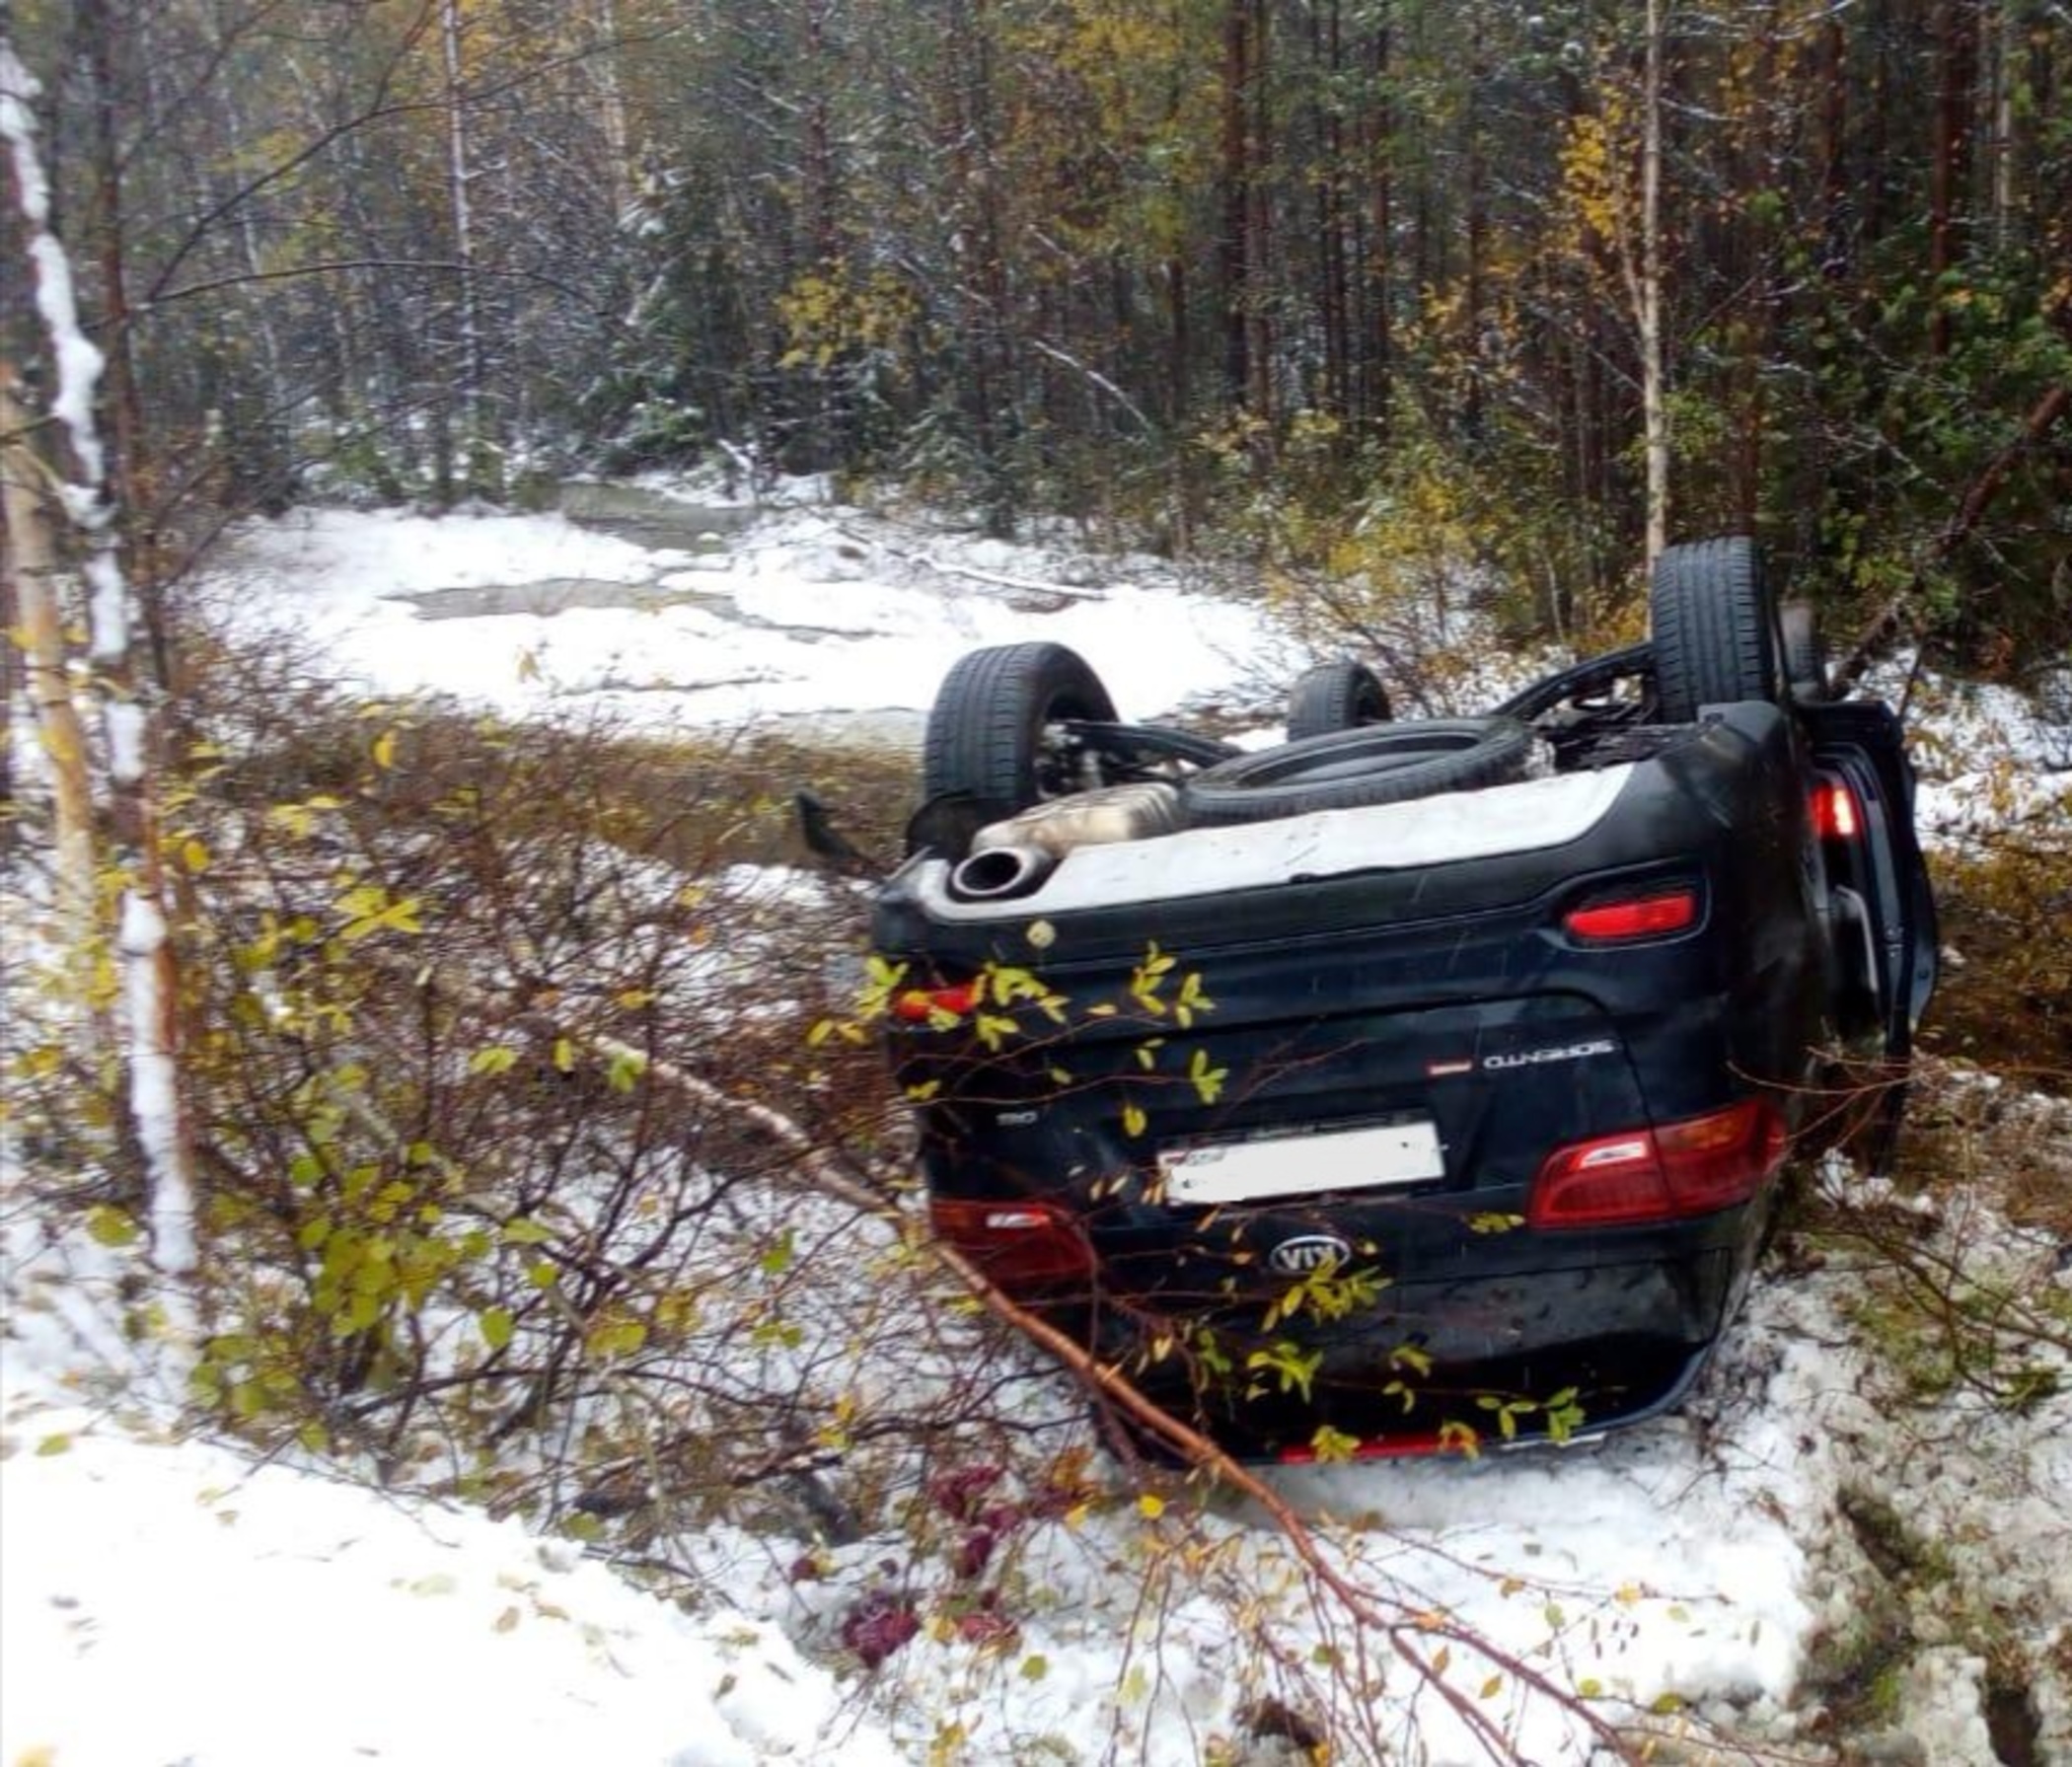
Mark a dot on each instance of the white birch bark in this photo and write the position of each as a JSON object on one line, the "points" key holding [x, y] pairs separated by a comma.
{"points": [[31, 562], [459, 177], [143, 944]]}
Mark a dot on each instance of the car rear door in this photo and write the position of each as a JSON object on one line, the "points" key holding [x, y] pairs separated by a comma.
{"points": [[1865, 811]]}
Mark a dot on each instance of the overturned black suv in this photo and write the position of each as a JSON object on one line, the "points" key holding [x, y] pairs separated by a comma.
{"points": [[1408, 1086]]}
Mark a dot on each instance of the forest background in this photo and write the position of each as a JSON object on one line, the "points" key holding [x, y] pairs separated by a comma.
{"points": [[1334, 283]]}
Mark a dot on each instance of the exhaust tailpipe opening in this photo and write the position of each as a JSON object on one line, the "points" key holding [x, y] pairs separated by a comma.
{"points": [[1001, 871]]}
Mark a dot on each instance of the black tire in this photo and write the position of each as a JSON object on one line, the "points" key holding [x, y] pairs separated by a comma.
{"points": [[1378, 764], [1341, 696], [984, 743], [1805, 651], [1714, 625]]}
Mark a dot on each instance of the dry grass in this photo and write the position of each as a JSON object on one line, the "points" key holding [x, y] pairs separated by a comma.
{"points": [[2005, 1001]]}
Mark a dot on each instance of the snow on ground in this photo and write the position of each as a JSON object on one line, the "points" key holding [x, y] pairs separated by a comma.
{"points": [[166, 1600], [170, 1601], [1989, 755], [809, 612]]}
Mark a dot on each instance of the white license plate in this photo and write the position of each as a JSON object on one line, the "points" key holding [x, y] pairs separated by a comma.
{"points": [[1374, 1159]]}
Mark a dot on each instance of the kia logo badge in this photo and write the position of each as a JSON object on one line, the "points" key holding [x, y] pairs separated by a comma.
{"points": [[1308, 1253]]}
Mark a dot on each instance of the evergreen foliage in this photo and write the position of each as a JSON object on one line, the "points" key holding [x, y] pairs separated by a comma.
{"points": [[1191, 264]]}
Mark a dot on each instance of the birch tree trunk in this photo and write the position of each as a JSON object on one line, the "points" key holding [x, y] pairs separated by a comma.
{"points": [[32, 563], [150, 992], [459, 178]]}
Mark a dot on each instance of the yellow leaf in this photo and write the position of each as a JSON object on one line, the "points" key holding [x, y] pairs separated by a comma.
{"points": [[384, 750], [1150, 1505], [1134, 1120]]}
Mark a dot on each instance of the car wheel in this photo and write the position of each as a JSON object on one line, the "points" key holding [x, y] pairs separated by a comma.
{"points": [[1340, 695], [1714, 625], [1347, 769], [1805, 653], [986, 733]]}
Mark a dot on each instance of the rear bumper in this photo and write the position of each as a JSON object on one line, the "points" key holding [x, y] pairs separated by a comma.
{"points": [[1484, 1357]]}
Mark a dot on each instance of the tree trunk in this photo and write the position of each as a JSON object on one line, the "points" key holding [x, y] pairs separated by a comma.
{"points": [[143, 941], [1327, 52], [1473, 323], [31, 564], [2006, 55], [460, 179], [1653, 407], [611, 108], [1258, 234], [1377, 342], [1233, 247], [1957, 58]]}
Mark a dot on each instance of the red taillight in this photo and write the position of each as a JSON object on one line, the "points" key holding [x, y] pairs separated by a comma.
{"points": [[1021, 1246], [1680, 1169], [918, 1006], [1633, 916], [1428, 1444], [1834, 812]]}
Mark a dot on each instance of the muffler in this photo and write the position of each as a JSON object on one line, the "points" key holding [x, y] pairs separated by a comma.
{"points": [[1014, 858]]}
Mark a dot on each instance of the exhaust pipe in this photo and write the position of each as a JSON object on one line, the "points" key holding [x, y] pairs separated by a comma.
{"points": [[998, 872], [1012, 857]]}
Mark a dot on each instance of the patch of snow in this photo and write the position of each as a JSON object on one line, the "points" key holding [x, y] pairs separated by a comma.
{"points": [[801, 620], [169, 1601]]}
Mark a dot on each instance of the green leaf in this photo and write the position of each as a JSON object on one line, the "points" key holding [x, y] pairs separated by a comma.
{"points": [[496, 1058], [107, 1224], [993, 1029], [53, 1445], [1035, 1668], [1333, 1445], [497, 1326]]}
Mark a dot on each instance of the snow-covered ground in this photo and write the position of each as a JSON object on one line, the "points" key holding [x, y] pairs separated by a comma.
{"points": [[812, 611], [166, 1600]]}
